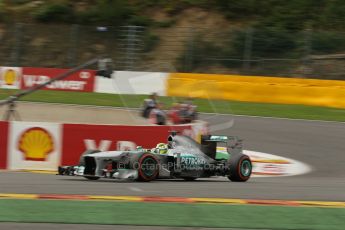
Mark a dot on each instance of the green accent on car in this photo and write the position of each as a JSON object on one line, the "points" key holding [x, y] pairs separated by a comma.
{"points": [[222, 155]]}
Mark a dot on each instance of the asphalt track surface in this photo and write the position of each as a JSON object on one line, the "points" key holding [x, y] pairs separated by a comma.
{"points": [[319, 144]]}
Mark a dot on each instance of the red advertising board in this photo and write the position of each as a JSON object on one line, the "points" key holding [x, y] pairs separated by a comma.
{"points": [[3, 144], [78, 137], [82, 81]]}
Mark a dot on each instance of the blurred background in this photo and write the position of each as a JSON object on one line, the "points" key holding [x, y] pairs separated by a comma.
{"points": [[303, 39]]}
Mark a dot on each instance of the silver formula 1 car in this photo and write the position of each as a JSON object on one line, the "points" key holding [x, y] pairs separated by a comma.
{"points": [[182, 158]]}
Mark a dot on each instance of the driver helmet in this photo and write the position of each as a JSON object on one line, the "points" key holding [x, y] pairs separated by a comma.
{"points": [[162, 148]]}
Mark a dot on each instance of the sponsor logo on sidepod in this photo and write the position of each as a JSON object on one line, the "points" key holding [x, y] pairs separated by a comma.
{"points": [[35, 144]]}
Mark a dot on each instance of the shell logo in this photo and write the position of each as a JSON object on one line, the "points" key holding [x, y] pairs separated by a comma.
{"points": [[36, 143], [10, 77]]}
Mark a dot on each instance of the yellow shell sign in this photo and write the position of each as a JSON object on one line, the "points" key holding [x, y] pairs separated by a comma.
{"points": [[36, 143], [10, 77]]}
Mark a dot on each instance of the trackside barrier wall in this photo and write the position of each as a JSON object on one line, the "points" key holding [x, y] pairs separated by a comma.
{"points": [[258, 89], [26, 77], [44, 146], [122, 82], [127, 82], [314, 92], [3, 144]]}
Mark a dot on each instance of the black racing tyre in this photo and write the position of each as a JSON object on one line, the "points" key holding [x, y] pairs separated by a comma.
{"points": [[92, 177], [189, 178], [90, 151], [147, 166], [240, 168]]}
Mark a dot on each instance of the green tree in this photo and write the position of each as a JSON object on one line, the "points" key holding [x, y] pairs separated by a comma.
{"points": [[111, 12]]}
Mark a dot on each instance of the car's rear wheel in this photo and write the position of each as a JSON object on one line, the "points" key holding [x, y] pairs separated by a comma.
{"points": [[240, 168], [148, 167]]}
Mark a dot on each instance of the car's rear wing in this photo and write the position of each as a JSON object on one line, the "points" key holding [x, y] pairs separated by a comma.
{"points": [[209, 144]]}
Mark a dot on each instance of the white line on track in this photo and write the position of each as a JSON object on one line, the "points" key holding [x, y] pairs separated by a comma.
{"points": [[135, 189]]}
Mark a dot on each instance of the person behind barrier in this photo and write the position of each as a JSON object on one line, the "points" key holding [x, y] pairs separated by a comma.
{"points": [[157, 115], [149, 104]]}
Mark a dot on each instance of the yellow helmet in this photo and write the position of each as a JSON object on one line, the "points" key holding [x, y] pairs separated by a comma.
{"points": [[162, 148]]}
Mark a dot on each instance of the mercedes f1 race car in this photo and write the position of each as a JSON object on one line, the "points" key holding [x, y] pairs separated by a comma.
{"points": [[182, 157]]}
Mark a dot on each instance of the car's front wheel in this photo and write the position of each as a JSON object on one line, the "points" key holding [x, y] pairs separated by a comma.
{"points": [[148, 167]]}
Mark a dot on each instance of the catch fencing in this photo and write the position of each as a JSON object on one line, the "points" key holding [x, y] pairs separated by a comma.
{"points": [[234, 50]]}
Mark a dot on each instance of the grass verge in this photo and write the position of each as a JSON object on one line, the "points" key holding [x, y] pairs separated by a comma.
{"points": [[210, 106], [172, 214]]}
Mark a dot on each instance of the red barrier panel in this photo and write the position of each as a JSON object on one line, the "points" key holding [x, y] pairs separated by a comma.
{"points": [[82, 81], [78, 137], [3, 144]]}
